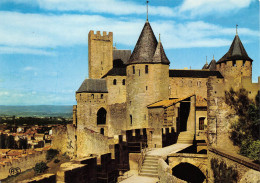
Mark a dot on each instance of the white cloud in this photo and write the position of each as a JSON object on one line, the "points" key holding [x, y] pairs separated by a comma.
{"points": [[4, 93], [21, 49], [115, 7], [36, 33], [202, 7], [29, 68]]}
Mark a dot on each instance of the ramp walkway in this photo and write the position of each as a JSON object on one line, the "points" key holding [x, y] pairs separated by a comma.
{"points": [[163, 152]]}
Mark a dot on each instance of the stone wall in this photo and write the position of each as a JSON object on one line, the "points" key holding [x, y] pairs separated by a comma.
{"points": [[117, 92], [88, 105], [64, 139], [144, 89], [200, 134], [24, 163], [198, 160], [100, 53], [234, 74], [91, 142], [50, 178], [117, 119], [246, 170], [78, 170], [165, 174], [218, 116], [183, 87]]}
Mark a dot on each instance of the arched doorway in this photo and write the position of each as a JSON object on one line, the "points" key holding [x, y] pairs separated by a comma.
{"points": [[188, 172], [101, 116]]}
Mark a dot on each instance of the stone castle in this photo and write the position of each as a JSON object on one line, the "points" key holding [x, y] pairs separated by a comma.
{"points": [[136, 93], [133, 101]]}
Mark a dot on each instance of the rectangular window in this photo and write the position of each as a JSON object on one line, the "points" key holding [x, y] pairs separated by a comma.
{"points": [[133, 69], [146, 69], [201, 123]]}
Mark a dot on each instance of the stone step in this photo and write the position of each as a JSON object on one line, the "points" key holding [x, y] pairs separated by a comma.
{"points": [[151, 160], [150, 167], [149, 171], [150, 163], [148, 175], [151, 157]]}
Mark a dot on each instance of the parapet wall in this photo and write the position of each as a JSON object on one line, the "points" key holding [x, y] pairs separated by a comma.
{"points": [[90, 142], [246, 170], [50, 178]]}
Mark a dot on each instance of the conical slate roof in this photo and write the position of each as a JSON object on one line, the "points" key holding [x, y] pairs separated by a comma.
{"points": [[212, 65], [205, 66], [145, 46], [235, 52], [159, 55]]}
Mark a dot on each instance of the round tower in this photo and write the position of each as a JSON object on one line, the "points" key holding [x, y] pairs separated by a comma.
{"points": [[147, 78], [235, 65]]}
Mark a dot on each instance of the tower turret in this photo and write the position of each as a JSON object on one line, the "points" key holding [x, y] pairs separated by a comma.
{"points": [[147, 77], [235, 65]]}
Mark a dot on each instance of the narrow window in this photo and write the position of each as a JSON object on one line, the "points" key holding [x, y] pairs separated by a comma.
{"points": [[133, 69], [123, 82], [139, 72], [190, 83], [101, 96], [146, 69], [131, 119], [199, 83], [102, 131], [114, 82], [244, 62], [92, 95], [146, 87], [201, 123]]}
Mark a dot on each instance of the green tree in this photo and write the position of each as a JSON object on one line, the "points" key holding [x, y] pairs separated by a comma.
{"points": [[245, 130], [40, 167], [51, 153]]}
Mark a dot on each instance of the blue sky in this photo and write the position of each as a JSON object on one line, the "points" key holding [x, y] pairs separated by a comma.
{"points": [[44, 51]]}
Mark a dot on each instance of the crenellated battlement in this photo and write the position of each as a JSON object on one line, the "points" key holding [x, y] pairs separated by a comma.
{"points": [[99, 36]]}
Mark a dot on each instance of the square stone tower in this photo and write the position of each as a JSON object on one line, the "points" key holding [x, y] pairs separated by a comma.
{"points": [[100, 54]]}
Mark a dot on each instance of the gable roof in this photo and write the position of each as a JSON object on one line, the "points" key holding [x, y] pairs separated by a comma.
{"points": [[123, 55], [93, 86], [167, 103], [235, 52], [194, 73], [116, 71]]}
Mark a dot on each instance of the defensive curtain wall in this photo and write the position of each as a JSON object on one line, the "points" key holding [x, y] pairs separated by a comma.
{"points": [[27, 161]]}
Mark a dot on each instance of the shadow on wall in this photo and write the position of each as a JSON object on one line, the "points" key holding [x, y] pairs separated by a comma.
{"points": [[189, 173]]}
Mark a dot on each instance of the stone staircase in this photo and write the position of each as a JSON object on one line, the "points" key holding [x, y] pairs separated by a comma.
{"points": [[185, 137], [150, 166]]}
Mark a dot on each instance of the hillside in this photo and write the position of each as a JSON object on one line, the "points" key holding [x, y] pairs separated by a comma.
{"points": [[37, 111]]}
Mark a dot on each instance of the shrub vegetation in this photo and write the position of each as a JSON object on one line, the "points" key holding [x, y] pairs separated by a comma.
{"points": [[245, 130], [51, 153], [40, 167]]}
